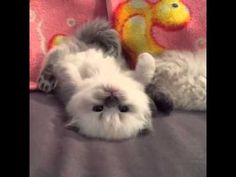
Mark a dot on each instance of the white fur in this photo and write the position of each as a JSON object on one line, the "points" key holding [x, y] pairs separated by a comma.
{"points": [[182, 76], [91, 72], [145, 68]]}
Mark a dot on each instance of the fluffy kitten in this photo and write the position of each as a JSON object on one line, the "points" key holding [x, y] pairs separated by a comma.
{"points": [[180, 77], [103, 98]]}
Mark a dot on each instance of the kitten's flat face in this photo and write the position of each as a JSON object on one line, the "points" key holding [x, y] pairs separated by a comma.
{"points": [[110, 111]]}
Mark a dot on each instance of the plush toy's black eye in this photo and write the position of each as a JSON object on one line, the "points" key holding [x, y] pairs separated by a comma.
{"points": [[123, 108], [98, 108], [174, 5]]}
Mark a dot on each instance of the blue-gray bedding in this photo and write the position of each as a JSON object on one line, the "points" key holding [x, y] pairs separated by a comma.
{"points": [[176, 148]]}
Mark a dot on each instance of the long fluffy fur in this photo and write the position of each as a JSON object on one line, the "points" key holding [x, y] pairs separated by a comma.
{"points": [[181, 77], [99, 33], [90, 74], [96, 75]]}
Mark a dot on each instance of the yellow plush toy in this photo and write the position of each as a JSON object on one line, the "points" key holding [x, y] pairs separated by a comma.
{"points": [[56, 40], [134, 20]]}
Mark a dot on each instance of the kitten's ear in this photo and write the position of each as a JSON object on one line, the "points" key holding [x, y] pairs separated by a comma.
{"points": [[72, 125], [153, 108], [148, 128], [145, 68]]}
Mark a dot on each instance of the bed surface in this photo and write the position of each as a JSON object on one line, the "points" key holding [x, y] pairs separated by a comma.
{"points": [[176, 148]]}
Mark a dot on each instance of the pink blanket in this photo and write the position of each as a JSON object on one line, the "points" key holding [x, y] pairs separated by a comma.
{"points": [[50, 20]]}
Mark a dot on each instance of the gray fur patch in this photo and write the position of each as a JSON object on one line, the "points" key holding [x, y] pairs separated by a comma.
{"points": [[66, 88], [99, 34], [64, 92], [53, 58], [47, 80], [153, 108], [162, 102]]}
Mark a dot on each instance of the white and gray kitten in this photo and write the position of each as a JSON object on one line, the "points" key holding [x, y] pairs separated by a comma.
{"points": [[180, 78], [103, 98]]}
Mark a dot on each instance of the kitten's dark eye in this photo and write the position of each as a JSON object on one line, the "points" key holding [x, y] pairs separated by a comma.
{"points": [[124, 108], [98, 108]]}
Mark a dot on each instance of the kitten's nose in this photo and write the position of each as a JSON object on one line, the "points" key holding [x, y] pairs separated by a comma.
{"points": [[111, 101]]}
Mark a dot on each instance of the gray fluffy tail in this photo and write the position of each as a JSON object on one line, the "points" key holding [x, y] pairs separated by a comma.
{"points": [[98, 33]]}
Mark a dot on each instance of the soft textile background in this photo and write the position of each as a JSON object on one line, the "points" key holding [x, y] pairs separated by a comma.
{"points": [[50, 20]]}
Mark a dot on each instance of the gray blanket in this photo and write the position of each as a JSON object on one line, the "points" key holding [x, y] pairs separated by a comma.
{"points": [[176, 148]]}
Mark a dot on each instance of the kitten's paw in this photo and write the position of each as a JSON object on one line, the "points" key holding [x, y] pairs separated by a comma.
{"points": [[72, 125], [144, 132], [47, 82], [164, 104], [73, 128], [146, 60], [145, 68]]}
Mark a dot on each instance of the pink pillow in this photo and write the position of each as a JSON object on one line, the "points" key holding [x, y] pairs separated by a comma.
{"points": [[50, 20]]}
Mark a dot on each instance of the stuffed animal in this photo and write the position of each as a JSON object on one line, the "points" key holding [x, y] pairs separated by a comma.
{"points": [[169, 30], [134, 19], [56, 40]]}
